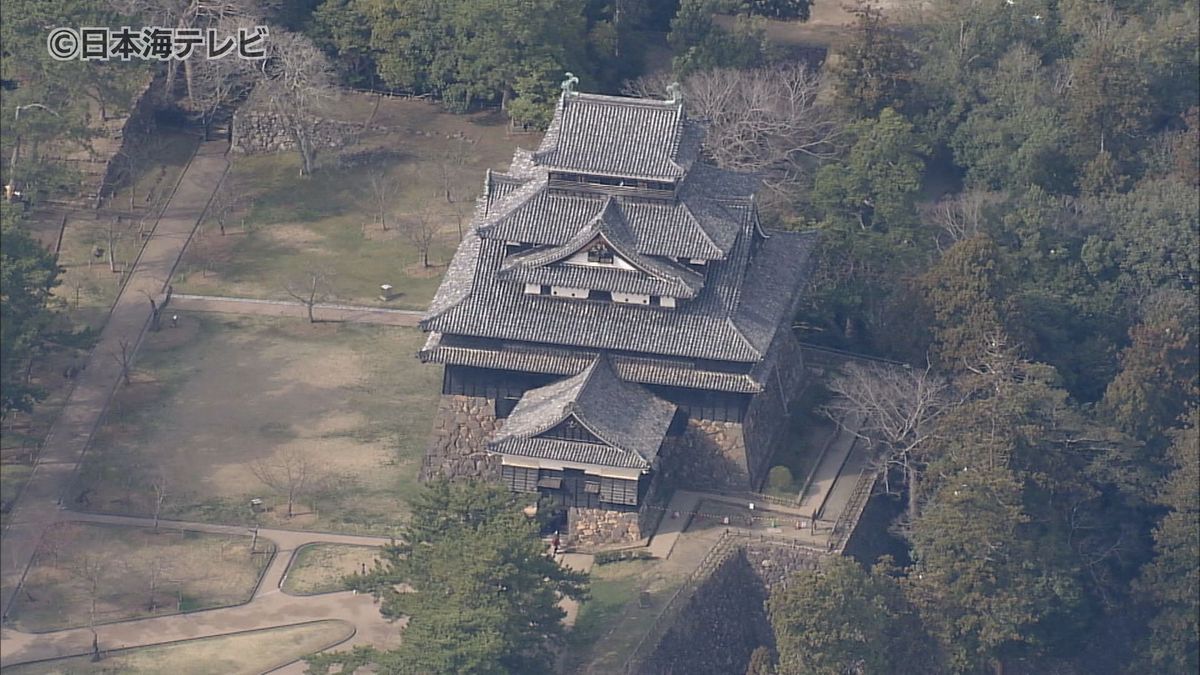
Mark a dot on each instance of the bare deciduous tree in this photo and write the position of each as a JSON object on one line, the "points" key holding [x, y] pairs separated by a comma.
{"points": [[313, 290], [766, 120], [161, 484], [420, 229], [291, 474], [892, 407], [297, 84], [90, 569], [382, 191], [226, 201], [959, 216], [124, 358]]}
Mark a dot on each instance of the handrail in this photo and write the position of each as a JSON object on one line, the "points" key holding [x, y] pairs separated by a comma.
{"points": [[851, 355], [854, 507]]}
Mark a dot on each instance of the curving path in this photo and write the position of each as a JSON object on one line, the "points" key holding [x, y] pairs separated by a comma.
{"points": [[268, 607]]}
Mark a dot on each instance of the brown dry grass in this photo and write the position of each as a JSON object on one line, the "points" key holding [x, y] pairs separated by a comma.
{"points": [[240, 654], [349, 398], [192, 570], [327, 221], [320, 568]]}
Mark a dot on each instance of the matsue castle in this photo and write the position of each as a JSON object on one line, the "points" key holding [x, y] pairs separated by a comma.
{"points": [[617, 318]]}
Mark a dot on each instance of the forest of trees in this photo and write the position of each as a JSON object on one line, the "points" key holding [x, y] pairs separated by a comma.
{"points": [[1015, 206], [1009, 195]]}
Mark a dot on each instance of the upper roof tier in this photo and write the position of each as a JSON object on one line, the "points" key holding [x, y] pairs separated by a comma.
{"points": [[620, 137]]}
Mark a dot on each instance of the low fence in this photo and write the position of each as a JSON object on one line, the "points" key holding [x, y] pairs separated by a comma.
{"points": [[843, 526]]}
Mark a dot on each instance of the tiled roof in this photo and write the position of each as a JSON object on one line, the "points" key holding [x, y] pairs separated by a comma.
{"points": [[653, 277], [752, 281], [563, 361], [698, 225], [630, 421], [618, 136], [730, 319], [569, 451]]}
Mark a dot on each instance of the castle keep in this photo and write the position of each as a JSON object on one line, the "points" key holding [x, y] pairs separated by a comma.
{"points": [[615, 315]]}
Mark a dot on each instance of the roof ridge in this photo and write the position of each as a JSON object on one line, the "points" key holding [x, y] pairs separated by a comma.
{"points": [[621, 100]]}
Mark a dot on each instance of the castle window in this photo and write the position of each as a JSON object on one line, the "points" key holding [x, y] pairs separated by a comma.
{"points": [[600, 253], [600, 295]]}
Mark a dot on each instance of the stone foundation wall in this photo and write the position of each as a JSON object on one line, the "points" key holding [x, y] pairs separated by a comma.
{"points": [[257, 131], [460, 432], [720, 625], [593, 528], [707, 455], [725, 618]]}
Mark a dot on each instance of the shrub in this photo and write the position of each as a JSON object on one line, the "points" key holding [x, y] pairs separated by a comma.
{"points": [[779, 478]]}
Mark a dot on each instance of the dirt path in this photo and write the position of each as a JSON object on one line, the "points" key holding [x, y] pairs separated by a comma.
{"points": [[269, 607], [37, 505], [288, 308]]}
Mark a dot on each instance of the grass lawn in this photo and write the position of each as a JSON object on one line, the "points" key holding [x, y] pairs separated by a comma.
{"points": [[287, 226], [612, 622], [319, 568], [188, 571], [221, 405], [88, 286], [241, 654]]}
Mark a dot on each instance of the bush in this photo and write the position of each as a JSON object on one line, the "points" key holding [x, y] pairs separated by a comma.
{"points": [[606, 557], [779, 479]]}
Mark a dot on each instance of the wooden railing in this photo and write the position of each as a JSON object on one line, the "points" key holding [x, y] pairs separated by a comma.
{"points": [[854, 508]]}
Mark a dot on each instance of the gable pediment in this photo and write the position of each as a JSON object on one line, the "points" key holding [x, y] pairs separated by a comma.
{"points": [[571, 429]]}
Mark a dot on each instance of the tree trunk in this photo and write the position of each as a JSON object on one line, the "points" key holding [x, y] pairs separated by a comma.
{"points": [[910, 474], [187, 79]]}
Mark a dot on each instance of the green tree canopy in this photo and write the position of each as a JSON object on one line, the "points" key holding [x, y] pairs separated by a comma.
{"points": [[477, 584], [841, 618], [28, 273], [1171, 583]]}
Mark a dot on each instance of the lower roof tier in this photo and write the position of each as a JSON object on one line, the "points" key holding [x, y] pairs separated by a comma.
{"points": [[563, 361]]}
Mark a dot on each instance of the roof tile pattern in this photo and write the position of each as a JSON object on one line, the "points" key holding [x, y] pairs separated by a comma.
{"points": [[631, 421], [616, 136]]}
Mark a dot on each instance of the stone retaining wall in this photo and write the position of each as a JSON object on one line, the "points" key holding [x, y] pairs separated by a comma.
{"points": [[461, 428], [593, 528], [707, 455], [723, 621], [257, 131]]}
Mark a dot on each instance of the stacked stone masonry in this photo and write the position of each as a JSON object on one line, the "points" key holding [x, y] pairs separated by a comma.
{"points": [[260, 132], [725, 618], [722, 622], [596, 528], [460, 432]]}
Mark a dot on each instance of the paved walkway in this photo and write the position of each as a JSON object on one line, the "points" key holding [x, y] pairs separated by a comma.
{"points": [[684, 503], [269, 607], [289, 308], [37, 504], [829, 468]]}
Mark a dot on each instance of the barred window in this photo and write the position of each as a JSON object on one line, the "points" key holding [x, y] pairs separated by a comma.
{"points": [[519, 478], [619, 491]]}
